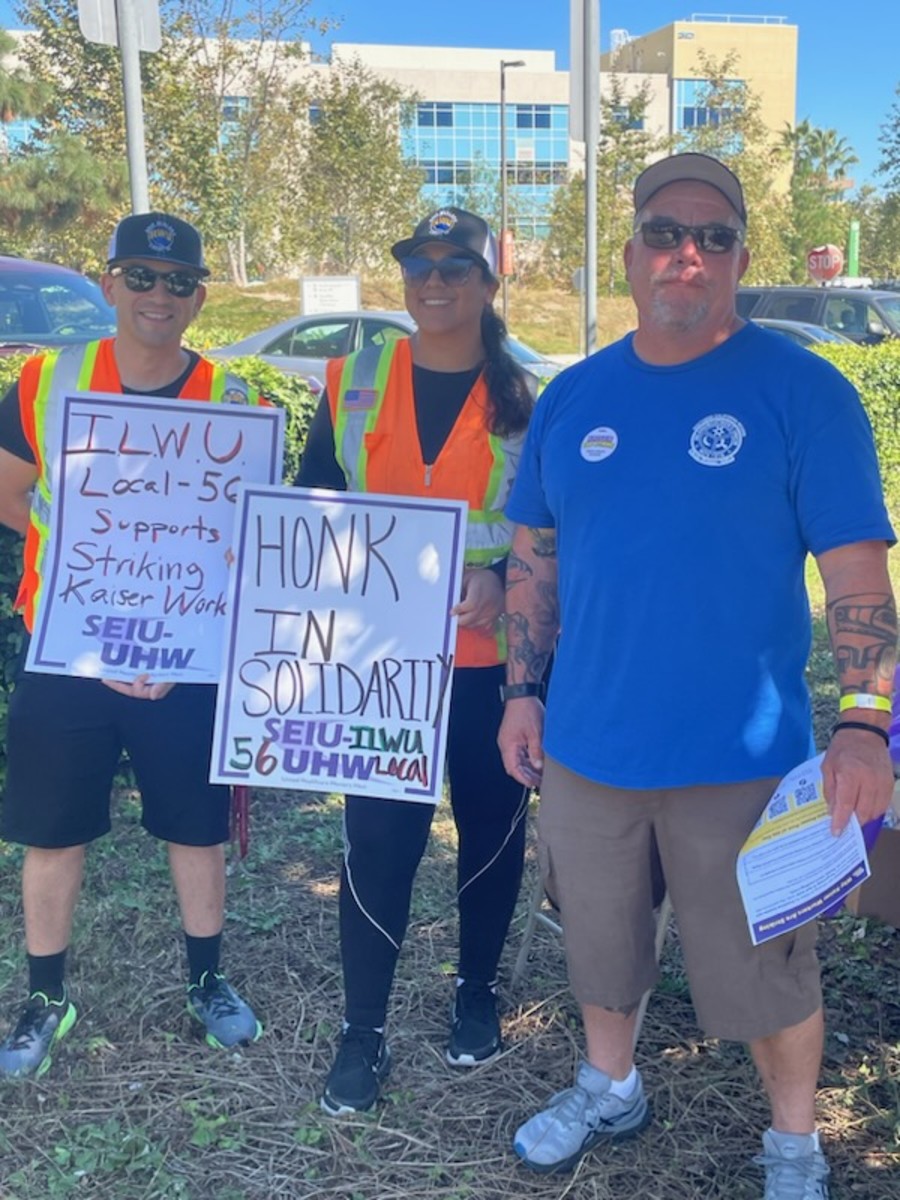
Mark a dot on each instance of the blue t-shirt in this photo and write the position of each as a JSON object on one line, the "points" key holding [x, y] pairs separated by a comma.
{"points": [[685, 499]]}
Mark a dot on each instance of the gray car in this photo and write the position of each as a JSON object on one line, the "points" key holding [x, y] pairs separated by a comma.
{"points": [[303, 345]]}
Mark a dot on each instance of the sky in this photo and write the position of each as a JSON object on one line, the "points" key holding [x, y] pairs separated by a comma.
{"points": [[849, 53]]}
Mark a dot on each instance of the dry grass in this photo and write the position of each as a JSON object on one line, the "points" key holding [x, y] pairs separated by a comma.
{"points": [[136, 1108]]}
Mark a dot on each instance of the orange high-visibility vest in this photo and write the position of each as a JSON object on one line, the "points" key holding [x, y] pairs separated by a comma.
{"points": [[43, 382], [376, 440]]}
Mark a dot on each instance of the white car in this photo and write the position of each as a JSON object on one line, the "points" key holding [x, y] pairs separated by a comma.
{"points": [[303, 345]]}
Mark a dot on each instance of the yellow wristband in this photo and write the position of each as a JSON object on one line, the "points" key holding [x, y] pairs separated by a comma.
{"points": [[864, 700]]}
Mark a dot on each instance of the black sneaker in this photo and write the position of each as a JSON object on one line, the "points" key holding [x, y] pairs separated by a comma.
{"points": [[475, 1031], [228, 1019], [42, 1023], [362, 1064]]}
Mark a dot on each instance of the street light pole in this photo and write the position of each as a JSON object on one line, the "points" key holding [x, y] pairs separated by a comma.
{"points": [[503, 206]]}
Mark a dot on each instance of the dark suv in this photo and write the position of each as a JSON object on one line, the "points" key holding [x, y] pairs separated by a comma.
{"points": [[864, 315], [45, 305]]}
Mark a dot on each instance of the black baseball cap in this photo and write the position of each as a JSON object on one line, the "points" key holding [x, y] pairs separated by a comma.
{"points": [[458, 228], [157, 235], [698, 168]]}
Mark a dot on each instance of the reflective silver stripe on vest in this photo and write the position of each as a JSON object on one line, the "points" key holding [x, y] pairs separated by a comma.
{"points": [[360, 371]]}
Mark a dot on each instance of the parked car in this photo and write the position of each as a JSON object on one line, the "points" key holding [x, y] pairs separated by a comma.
{"points": [[42, 304], [864, 315], [302, 345], [801, 332]]}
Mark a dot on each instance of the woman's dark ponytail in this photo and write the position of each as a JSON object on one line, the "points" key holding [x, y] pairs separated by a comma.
{"points": [[511, 397]]}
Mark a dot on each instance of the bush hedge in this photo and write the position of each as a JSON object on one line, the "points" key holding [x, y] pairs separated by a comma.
{"points": [[287, 391], [875, 373]]}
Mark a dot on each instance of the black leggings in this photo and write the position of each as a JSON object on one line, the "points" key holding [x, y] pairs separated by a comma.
{"points": [[384, 841]]}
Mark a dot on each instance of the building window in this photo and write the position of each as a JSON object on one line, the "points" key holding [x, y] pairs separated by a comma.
{"points": [[429, 115], [532, 116], [233, 107], [622, 115], [691, 113], [315, 114]]}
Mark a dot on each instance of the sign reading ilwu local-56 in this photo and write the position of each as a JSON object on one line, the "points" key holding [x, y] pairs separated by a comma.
{"points": [[135, 575], [337, 671]]}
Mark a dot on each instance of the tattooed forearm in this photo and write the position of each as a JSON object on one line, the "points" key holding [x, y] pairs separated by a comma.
{"points": [[532, 604], [863, 632], [524, 652]]}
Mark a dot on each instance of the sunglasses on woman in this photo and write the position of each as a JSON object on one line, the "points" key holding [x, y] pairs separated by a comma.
{"points": [[453, 271], [143, 279], [709, 239]]}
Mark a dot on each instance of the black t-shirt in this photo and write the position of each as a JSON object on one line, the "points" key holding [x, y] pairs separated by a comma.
{"points": [[439, 399], [12, 435]]}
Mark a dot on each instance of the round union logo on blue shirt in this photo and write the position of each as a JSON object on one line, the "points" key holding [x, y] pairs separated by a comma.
{"points": [[599, 443], [716, 440]]}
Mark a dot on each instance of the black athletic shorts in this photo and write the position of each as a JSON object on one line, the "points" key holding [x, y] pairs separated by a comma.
{"points": [[65, 738]]}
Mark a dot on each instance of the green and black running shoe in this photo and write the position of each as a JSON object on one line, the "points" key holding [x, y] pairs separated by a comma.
{"points": [[228, 1019], [42, 1023]]}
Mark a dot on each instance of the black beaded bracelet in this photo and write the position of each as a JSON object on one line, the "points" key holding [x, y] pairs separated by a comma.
{"points": [[514, 691], [882, 733]]}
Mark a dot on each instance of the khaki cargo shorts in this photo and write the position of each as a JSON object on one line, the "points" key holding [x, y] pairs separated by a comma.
{"points": [[598, 847]]}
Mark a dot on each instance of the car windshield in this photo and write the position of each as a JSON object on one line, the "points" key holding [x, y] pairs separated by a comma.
{"points": [[40, 306], [890, 305]]}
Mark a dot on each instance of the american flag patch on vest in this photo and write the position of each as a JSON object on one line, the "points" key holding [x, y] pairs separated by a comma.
{"points": [[359, 399]]}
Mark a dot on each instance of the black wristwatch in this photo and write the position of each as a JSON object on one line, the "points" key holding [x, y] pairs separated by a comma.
{"points": [[514, 691]]}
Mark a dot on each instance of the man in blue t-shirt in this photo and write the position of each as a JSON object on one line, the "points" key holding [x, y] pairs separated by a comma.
{"points": [[671, 488]]}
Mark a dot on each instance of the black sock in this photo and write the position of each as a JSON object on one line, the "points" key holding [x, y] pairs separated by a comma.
{"points": [[203, 955], [46, 973]]}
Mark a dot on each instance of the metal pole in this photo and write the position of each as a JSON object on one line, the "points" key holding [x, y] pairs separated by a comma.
{"points": [[504, 281], [504, 284], [126, 18], [591, 138]]}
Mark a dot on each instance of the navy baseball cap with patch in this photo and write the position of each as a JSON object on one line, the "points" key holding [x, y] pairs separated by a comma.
{"points": [[696, 168], [455, 227], [157, 235]]}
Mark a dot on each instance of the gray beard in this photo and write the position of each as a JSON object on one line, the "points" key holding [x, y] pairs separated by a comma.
{"points": [[677, 317]]}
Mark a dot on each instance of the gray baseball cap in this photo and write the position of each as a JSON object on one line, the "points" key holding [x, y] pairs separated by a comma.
{"points": [[698, 168]]}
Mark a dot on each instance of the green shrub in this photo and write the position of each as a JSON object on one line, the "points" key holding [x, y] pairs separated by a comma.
{"points": [[875, 373], [287, 391]]}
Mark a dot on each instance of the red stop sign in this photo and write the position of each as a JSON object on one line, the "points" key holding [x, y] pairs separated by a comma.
{"points": [[824, 262]]}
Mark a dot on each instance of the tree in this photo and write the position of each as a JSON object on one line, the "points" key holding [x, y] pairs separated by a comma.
{"points": [[228, 109], [733, 131], [889, 140], [220, 107], [819, 214], [358, 190], [623, 150]]}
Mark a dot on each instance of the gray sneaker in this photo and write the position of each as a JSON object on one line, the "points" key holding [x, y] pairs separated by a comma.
{"points": [[228, 1019], [41, 1024], [578, 1119], [794, 1169]]}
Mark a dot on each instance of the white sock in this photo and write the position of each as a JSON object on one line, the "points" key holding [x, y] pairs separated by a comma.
{"points": [[778, 1135], [623, 1088]]}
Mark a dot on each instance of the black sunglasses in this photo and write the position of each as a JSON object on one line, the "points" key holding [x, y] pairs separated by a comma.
{"points": [[453, 271], [710, 239], [143, 279]]}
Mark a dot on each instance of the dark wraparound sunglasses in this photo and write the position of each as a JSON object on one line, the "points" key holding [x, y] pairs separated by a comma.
{"points": [[453, 271], [143, 279], [709, 239]]}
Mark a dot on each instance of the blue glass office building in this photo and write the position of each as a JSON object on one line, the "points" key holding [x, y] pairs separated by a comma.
{"points": [[457, 145]]}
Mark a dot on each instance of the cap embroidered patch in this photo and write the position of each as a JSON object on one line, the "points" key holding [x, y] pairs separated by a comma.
{"points": [[359, 399], [442, 222], [160, 236]]}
